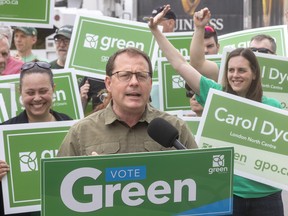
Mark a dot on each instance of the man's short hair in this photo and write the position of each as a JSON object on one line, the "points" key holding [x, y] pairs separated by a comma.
{"points": [[261, 37], [169, 15], [210, 32]]}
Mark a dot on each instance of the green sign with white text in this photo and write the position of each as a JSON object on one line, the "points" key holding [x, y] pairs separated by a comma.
{"points": [[95, 39], [172, 92], [23, 13], [242, 38], [22, 146], [257, 132], [139, 184]]}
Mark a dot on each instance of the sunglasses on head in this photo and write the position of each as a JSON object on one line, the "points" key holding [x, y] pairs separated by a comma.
{"points": [[29, 65], [190, 94], [261, 50], [209, 29]]}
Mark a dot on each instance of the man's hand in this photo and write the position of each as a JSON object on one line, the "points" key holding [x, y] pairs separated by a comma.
{"points": [[84, 93], [201, 18]]}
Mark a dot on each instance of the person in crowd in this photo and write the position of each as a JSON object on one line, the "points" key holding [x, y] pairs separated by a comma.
{"points": [[241, 77], [89, 88], [259, 43], [196, 107], [9, 64], [4, 56], [211, 47], [105, 98], [24, 40], [168, 21], [121, 127], [36, 89], [62, 40], [169, 24]]}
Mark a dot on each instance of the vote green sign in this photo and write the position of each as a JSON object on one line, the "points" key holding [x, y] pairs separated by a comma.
{"points": [[172, 92], [187, 182], [257, 132], [242, 38], [274, 75], [22, 146], [66, 98], [95, 39], [23, 13]]}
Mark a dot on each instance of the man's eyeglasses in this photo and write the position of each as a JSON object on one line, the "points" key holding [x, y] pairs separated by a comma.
{"points": [[29, 65], [190, 94], [261, 50], [126, 76], [62, 40], [209, 29]]}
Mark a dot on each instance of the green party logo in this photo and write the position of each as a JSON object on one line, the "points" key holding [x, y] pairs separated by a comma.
{"points": [[218, 165], [177, 82], [105, 43], [28, 161]]}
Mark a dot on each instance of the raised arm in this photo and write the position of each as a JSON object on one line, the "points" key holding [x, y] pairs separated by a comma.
{"points": [[178, 62], [197, 48]]}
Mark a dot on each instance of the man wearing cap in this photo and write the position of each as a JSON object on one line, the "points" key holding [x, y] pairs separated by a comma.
{"points": [[62, 40], [24, 39], [169, 20]]}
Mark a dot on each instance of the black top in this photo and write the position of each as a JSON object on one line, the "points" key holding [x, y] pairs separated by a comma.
{"points": [[19, 119], [23, 118], [54, 65]]}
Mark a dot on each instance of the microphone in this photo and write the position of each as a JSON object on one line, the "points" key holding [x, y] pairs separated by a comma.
{"points": [[164, 133]]}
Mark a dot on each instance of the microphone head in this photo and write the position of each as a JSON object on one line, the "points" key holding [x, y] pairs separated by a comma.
{"points": [[162, 132]]}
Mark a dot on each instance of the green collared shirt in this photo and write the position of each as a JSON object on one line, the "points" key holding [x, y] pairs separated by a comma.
{"points": [[104, 133]]}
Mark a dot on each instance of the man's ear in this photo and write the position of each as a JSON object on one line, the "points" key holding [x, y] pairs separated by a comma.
{"points": [[107, 83]]}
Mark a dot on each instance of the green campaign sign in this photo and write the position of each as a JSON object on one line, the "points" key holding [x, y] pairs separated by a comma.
{"points": [[193, 123], [242, 38], [22, 147], [23, 13], [257, 132], [66, 96], [3, 110], [181, 41], [139, 184], [8, 95], [95, 39], [274, 75], [172, 92]]}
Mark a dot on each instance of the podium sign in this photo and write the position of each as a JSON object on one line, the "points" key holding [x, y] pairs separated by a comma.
{"points": [[180, 182]]}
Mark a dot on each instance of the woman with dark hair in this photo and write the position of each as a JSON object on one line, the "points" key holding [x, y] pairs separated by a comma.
{"points": [[36, 89], [242, 78]]}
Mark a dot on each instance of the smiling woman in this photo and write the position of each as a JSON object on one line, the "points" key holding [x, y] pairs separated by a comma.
{"points": [[36, 90]]}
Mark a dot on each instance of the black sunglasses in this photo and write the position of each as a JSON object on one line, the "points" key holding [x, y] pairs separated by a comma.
{"points": [[29, 65], [189, 94], [261, 50]]}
